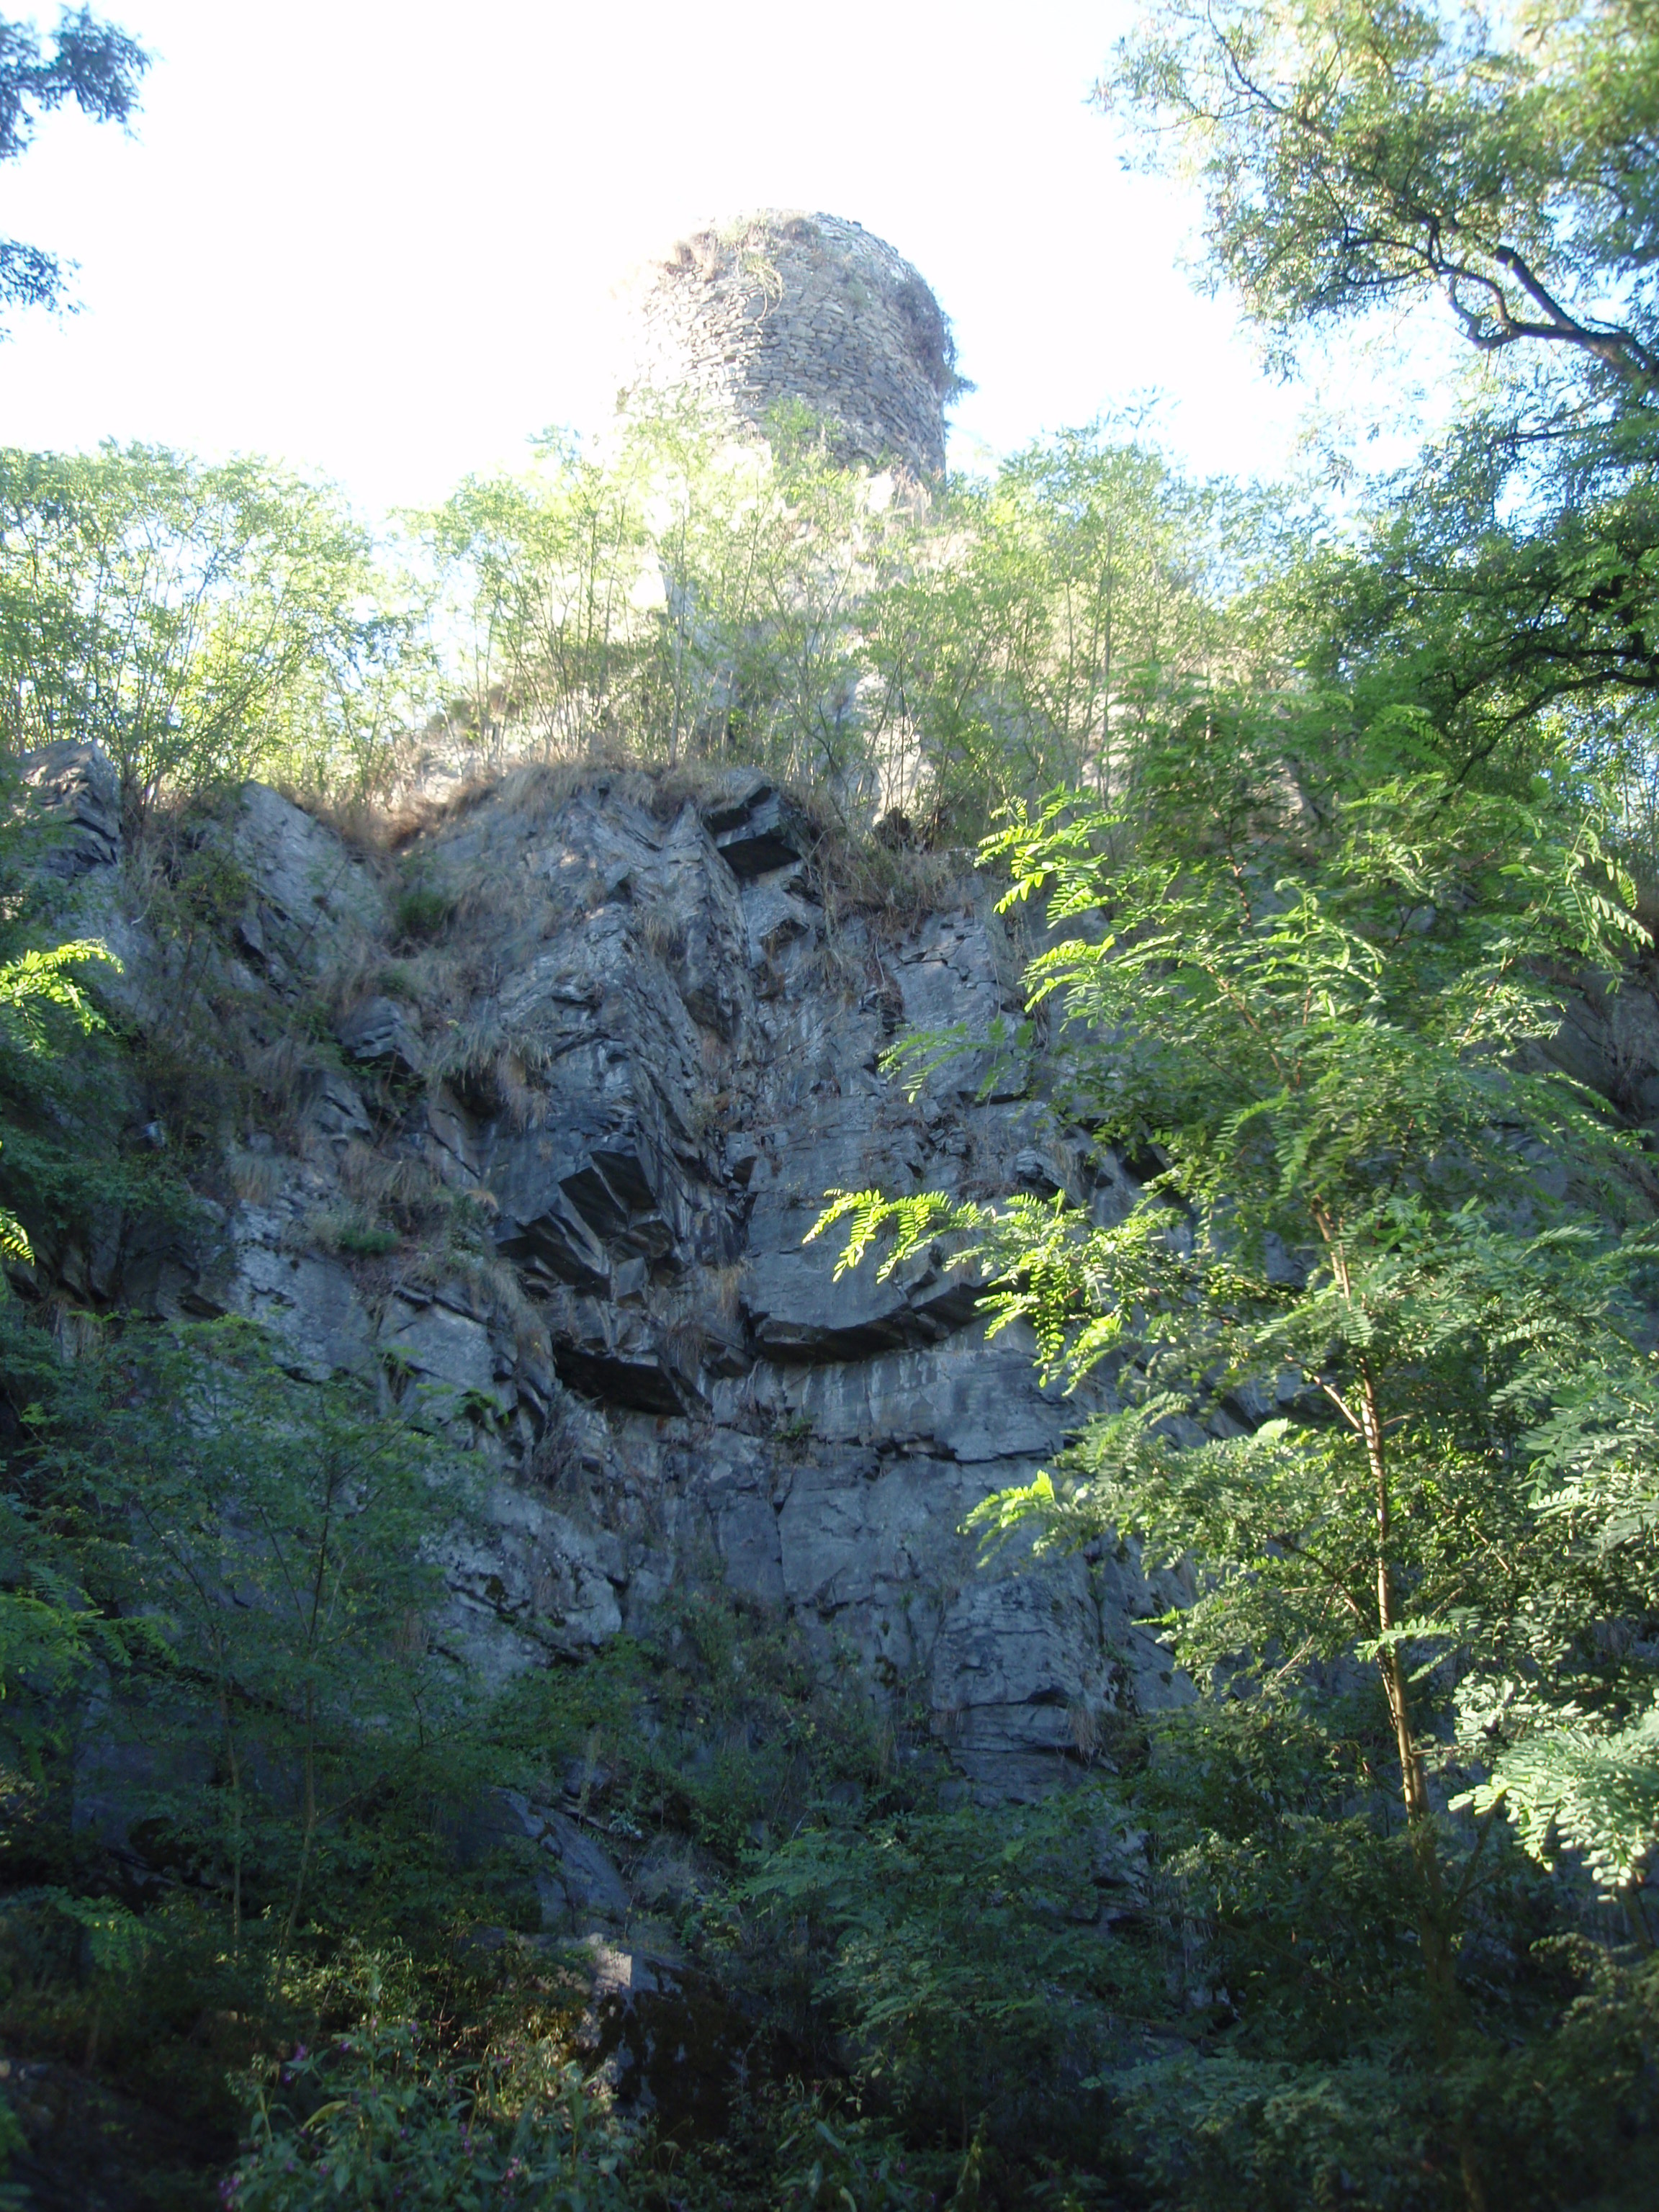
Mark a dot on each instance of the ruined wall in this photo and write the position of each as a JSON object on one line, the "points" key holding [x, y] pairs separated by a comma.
{"points": [[787, 307]]}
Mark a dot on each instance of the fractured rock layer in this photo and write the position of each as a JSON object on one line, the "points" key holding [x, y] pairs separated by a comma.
{"points": [[642, 1052]]}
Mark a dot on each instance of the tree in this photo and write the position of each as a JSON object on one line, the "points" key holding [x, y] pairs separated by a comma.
{"points": [[1373, 1322], [1032, 628], [94, 64], [682, 595], [1354, 152], [261, 1548], [32, 987], [1358, 155], [676, 595], [200, 622]]}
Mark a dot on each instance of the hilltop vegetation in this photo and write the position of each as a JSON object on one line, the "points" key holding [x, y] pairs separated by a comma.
{"points": [[1329, 810]]}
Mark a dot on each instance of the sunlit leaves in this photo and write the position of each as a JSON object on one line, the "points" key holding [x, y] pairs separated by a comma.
{"points": [[1360, 1332], [32, 987], [1354, 154], [201, 622]]}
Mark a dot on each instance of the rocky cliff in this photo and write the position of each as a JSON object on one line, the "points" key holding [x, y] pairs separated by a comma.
{"points": [[595, 1048], [537, 1114]]}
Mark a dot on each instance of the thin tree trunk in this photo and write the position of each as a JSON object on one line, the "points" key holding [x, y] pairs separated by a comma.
{"points": [[1439, 1965], [236, 1825], [1636, 1914], [310, 1831]]}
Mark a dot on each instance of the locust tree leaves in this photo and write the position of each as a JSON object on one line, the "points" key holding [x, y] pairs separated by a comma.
{"points": [[1353, 154], [1383, 1251]]}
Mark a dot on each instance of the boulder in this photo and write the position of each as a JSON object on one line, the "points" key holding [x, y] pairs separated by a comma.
{"points": [[75, 796], [759, 831], [379, 1031]]}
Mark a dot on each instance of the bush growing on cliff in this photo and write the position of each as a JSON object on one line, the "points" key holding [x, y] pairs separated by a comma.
{"points": [[934, 652], [255, 1552], [203, 624], [382, 2115]]}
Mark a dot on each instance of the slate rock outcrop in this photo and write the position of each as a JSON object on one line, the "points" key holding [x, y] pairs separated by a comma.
{"points": [[645, 1046]]}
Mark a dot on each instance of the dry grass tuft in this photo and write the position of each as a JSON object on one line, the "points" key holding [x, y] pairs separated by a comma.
{"points": [[540, 788], [659, 929], [723, 1288], [400, 1190], [492, 1285], [362, 824], [256, 1178], [494, 1068], [285, 1073], [894, 889]]}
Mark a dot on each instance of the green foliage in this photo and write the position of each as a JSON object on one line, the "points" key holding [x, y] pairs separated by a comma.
{"points": [[1372, 1331], [383, 2115], [1567, 1784], [1355, 156], [34, 988], [683, 598], [845, 2160], [1571, 2123], [965, 1965], [263, 1546], [1345, 1305], [201, 622], [1040, 622], [421, 912], [1371, 1335], [94, 64], [1504, 588], [717, 1728], [1352, 153]]}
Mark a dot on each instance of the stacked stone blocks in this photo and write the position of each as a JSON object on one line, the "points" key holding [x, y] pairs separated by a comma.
{"points": [[785, 309]]}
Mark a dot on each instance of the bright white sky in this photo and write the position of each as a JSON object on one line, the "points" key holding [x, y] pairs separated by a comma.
{"points": [[377, 237]]}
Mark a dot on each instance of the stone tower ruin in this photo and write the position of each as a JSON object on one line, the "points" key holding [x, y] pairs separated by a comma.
{"points": [[783, 306]]}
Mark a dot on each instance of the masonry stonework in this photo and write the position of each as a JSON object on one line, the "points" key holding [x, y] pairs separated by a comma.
{"points": [[783, 306]]}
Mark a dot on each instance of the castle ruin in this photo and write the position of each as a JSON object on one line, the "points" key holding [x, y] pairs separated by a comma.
{"points": [[783, 307]]}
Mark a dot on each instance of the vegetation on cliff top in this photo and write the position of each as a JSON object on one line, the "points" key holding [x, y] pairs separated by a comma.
{"points": [[1335, 811]]}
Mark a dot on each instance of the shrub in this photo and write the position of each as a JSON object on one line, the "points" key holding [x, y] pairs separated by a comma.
{"points": [[385, 2115]]}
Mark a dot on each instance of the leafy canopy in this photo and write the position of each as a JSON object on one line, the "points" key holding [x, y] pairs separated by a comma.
{"points": [[89, 61], [1364, 155], [200, 622], [1372, 1322], [1359, 152]]}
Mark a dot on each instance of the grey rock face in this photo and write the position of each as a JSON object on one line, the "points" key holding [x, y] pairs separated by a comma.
{"points": [[766, 835], [77, 795], [654, 1059], [380, 1030], [640, 1057], [1610, 1040], [311, 893], [575, 1883]]}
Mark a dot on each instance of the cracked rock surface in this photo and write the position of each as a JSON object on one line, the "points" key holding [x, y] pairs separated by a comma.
{"points": [[639, 1050]]}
